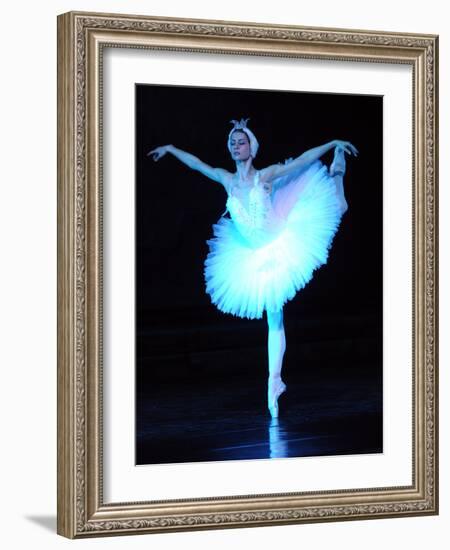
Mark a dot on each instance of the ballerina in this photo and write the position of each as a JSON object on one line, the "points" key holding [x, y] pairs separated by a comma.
{"points": [[282, 222]]}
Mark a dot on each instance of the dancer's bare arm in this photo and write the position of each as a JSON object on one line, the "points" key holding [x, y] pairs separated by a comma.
{"points": [[278, 170], [217, 174]]}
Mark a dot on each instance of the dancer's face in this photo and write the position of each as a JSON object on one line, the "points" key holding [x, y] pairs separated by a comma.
{"points": [[240, 146]]}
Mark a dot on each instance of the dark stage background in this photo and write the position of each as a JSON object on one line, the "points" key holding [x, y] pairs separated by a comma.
{"points": [[201, 374]]}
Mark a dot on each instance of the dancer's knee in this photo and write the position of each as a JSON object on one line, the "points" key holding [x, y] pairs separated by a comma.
{"points": [[275, 320]]}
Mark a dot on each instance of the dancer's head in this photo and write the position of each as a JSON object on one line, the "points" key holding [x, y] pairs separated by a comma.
{"points": [[242, 142]]}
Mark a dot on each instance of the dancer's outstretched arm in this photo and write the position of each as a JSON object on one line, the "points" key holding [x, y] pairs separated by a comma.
{"points": [[278, 170], [217, 174]]}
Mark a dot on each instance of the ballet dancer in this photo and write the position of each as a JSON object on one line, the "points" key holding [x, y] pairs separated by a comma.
{"points": [[281, 224]]}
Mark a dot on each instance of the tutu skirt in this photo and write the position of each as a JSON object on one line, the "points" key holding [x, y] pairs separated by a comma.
{"points": [[244, 278]]}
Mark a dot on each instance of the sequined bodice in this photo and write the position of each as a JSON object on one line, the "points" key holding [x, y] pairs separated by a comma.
{"points": [[258, 220]]}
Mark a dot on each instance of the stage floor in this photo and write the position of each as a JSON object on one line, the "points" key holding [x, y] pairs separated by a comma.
{"points": [[327, 410]]}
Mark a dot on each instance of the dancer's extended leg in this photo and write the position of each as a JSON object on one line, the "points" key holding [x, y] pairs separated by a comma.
{"points": [[337, 171], [276, 348]]}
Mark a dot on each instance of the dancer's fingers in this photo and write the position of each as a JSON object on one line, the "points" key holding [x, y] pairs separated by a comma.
{"points": [[353, 149]]}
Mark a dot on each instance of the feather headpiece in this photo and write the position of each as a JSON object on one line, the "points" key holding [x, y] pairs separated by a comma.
{"points": [[242, 126]]}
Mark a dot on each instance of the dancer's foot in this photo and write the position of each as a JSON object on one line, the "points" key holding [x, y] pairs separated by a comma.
{"points": [[275, 388], [337, 167], [337, 171]]}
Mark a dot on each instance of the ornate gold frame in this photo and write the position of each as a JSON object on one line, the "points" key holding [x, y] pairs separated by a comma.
{"points": [[81, 37]]}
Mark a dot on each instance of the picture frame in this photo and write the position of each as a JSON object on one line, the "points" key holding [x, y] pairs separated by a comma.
{"points": [[83, 511]]}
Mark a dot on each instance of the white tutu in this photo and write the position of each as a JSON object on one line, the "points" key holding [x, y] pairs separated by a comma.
{"points": [[244, 275]]}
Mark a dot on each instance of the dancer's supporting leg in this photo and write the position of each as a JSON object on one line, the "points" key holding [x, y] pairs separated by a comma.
{"points": [[276, 348], [337, 171]]}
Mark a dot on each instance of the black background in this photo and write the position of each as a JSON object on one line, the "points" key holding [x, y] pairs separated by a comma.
{"points": [[182, 340]]}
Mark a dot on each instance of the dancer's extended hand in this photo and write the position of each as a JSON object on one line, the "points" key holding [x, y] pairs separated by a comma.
{"points": [[346, 146], [158, 152]]}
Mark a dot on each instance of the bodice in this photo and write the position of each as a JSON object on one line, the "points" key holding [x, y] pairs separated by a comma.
{"points": [[258, 221]]}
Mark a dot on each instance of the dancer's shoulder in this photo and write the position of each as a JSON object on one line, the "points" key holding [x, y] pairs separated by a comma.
{"points": [[263, 181]]}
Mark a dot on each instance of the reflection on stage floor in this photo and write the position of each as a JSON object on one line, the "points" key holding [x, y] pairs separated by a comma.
{"points": [[324, 412]]}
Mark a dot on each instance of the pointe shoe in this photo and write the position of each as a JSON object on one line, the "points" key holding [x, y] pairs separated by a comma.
{"points": [[337, 167], [275, 389]]}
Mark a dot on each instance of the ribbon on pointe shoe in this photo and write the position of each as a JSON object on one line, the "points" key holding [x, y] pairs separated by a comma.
{"points": [[275, 389]]}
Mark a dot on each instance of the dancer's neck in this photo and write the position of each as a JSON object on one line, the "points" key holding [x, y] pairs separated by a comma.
{"points": [[245, 170]]}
